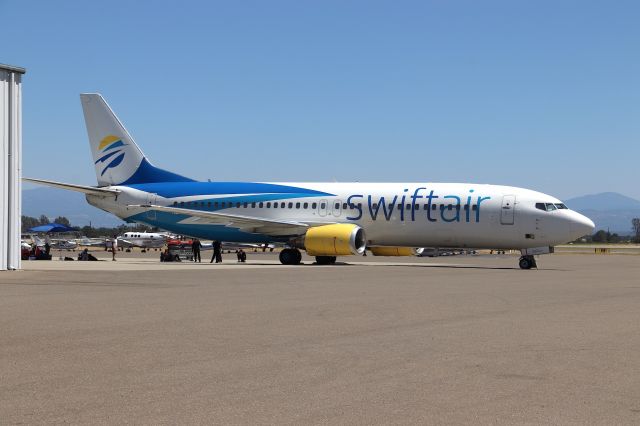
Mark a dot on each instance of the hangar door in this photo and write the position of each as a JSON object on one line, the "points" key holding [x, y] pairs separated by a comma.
{"points": [[507, 212], [10, 165]]}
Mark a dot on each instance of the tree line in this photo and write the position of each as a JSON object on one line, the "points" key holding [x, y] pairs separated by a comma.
{"points": [[29, 222]]}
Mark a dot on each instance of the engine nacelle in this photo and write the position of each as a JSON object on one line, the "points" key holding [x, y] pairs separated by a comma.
{"points": [[340, 239], [396, 251]]}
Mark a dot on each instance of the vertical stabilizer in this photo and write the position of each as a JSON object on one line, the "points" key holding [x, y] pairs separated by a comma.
{"points": [[117, 158]]}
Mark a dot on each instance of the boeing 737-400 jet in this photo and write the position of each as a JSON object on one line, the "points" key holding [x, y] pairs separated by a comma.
{"points": [[325, 219]]}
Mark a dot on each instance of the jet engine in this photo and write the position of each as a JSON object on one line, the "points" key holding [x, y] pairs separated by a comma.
{"points": [[341, 239], [396, 251]]}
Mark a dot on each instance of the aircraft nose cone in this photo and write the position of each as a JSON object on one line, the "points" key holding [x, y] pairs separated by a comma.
{"points": [[581, 226]]}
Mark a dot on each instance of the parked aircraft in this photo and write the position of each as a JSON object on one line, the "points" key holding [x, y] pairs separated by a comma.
{"points": [[143, 240], [325, 219], [91, 242]]}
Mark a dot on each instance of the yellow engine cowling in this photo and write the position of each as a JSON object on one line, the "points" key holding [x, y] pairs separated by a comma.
{"points": [[341, 239], [396, 251]]}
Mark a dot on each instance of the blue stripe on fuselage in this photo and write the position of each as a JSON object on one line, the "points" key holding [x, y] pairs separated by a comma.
{"points": [[186, 189]]}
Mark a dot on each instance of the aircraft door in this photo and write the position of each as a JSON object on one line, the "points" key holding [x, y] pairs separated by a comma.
{"points": [[507, 213], [323, 207], [336, 208]]}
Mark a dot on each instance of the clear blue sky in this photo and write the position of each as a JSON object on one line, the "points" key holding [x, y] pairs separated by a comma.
{"points": [[539, 94]]}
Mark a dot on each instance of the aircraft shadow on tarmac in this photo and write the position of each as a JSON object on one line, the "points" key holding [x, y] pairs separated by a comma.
{"points": [[426, 265]]}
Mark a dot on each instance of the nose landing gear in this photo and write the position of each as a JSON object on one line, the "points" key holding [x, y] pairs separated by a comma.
{"points": [[527, 262]]}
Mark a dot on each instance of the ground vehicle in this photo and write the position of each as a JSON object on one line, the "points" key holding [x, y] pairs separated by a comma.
{"points": [[180, 250]]}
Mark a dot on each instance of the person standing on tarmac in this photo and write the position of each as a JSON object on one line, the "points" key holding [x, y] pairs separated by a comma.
{"points": [[114, 247], [217, 252], [195, 246]]}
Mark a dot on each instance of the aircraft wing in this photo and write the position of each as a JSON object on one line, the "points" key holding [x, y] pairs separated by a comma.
{"points": [[250, 224], [126, 243]]}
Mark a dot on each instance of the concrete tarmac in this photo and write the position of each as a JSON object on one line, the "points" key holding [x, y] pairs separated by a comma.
{"points": [[460, 340]]}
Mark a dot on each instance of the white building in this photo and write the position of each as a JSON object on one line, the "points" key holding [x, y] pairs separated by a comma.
{"points": [[10, 165]]}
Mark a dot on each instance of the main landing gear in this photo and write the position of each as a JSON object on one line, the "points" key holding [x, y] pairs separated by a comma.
{"points": [[325, 260], [290, 256], [527, 262]]}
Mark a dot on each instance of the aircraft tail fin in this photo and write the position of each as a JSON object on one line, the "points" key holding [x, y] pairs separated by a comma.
{"points": [[117, 158]]}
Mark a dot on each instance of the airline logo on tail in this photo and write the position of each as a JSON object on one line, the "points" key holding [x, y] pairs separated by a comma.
{"points": [[111, 147]]}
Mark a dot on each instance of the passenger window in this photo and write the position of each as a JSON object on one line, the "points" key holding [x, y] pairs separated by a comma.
{"points": [[290, 205], [275, 205], [253, 205], [215, 204], [450, 207], [375, 205], [282, 205], [202, 203], [244, 205], [434, 206], [238, 204], [305, 205], [399, 206], [344, 206], [417, 207], [408, 206], [209, 204], [175, 203], [223, 204], [474, 207], [314, 206], [323, 206], [297, 205], [181, 203], [261, 204], [336, 206], [269, 205]]}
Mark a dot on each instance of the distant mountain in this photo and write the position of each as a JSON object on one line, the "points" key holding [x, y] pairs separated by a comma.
{"points": [[605, 201], [608, 210], [57, 202]]}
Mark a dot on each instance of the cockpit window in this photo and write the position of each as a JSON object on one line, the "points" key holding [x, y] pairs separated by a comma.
{"points": [[548, 207]]}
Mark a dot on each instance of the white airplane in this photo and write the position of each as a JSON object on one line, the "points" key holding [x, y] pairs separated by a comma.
{"points": [[91, 242], [143, 240], [55, 243], [325, 219]]}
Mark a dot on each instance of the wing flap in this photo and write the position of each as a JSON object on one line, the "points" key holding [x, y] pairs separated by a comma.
{"points": [[245, 223]]}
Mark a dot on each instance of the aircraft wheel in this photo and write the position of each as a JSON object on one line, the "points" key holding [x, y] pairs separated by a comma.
{"points": [[325, 260], [527, 262], [290, 257]]}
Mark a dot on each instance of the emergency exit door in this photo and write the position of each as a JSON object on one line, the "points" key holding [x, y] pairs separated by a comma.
{"points": [[508, 210]]}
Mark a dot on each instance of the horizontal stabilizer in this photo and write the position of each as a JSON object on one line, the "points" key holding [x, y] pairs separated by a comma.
{"points": [[78, 188]]}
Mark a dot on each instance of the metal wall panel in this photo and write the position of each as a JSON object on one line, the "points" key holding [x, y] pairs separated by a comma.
{"points": [[10, 166]]}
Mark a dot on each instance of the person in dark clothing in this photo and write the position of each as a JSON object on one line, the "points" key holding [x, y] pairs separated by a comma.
{"points": [[217, 252], [47, 248], [195, 246]]}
